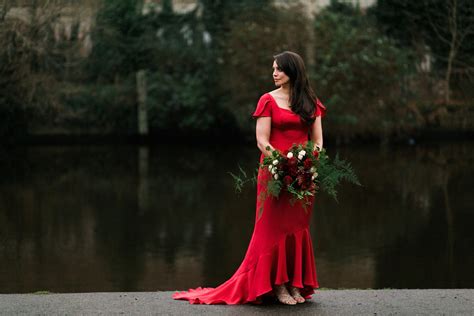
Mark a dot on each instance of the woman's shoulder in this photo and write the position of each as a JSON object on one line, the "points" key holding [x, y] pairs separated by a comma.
{"points": [[264, 106], [320, 109], [272, 93], [266, 95]]}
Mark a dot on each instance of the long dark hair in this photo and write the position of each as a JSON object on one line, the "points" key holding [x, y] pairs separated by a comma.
{"points": [[302, 96]]}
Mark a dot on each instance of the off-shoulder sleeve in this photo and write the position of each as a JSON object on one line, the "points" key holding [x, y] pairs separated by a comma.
{"points": [[264, 107], [320, 109]]}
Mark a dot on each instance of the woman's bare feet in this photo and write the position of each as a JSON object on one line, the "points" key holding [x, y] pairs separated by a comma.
{"points": [[295, 293], [283, 296]]}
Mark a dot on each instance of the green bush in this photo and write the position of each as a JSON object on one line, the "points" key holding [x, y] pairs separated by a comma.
{"points": [[101, 109], [358, 73], [179, 102], [245, 69]]}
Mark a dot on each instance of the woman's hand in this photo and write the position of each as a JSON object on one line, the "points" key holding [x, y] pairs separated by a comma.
{"points": [[317, 147]]}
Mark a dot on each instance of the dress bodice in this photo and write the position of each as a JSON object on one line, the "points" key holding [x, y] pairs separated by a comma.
{"points": [[286, 126]]}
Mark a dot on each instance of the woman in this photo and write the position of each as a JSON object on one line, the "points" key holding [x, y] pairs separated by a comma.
{"points": [[279, 260]]}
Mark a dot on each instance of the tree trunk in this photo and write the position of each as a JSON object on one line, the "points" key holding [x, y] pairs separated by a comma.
{"points": [[142, 110], [447, 97], [452, 21]]}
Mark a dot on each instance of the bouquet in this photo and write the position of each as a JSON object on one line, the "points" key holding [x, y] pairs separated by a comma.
{"points": [[300, 171], [294, 170]]}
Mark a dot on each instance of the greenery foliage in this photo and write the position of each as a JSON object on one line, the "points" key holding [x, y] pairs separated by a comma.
{"points": [[255, 35], [173, 51], [206, 68], [359, 71], [330, 174], [100, 108], [440, 33], [426, 23]]}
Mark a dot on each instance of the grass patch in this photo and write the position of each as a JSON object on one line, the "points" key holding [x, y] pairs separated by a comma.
{"points": [[41, 292]]}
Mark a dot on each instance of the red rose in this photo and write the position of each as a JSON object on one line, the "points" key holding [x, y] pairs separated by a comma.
{"points": [[316, 154], [293, 170], [308, 163], [300, 179], [287, 180], [292, 161]]}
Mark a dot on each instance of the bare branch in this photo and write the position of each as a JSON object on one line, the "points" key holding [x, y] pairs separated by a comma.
{"points": [[468, 31], [436, 28]]}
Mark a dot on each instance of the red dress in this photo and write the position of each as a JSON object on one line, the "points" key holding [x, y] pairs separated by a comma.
{"points": [[280, 250]]}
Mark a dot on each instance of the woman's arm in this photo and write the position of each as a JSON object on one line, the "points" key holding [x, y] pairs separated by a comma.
{"points": [[316, 133], [263, 129]]}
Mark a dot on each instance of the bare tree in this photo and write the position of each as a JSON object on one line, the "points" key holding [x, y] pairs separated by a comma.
{"points": [[28, 83], [453, 25]]}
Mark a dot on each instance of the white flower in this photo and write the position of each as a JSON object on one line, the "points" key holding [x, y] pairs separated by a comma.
{"points": [[289, 155], [312, 170], [276, 177], [270, 168], [274, 170], [275, 162], [300, 157], [302, 153], [314, 176]]}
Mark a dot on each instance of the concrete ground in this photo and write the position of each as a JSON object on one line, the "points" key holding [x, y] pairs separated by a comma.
{"points": [[324, 302]]}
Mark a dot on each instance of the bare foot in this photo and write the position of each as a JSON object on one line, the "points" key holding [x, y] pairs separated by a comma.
{"points": [[295, 293], [283, 296]]}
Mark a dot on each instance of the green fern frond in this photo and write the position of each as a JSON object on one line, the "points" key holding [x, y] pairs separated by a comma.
{"points": [[274, 187], [331, 173], [241, 179]]}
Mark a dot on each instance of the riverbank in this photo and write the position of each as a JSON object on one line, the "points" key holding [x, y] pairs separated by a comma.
{"points": [[419, 137], [324, 302]]}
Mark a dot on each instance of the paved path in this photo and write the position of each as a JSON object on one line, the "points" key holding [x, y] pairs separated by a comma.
{"points": [[325, 302]]}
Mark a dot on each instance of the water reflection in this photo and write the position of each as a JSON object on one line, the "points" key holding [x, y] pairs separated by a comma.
{"points": [[76, 219]]}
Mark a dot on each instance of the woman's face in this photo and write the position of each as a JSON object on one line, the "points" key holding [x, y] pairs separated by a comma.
{"points": [[279, 77]]}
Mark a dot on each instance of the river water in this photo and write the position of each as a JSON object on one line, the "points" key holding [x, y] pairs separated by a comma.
{"points": [[130, 218]]}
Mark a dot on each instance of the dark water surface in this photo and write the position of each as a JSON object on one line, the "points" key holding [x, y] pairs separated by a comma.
{"points": [[105, 218]]}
